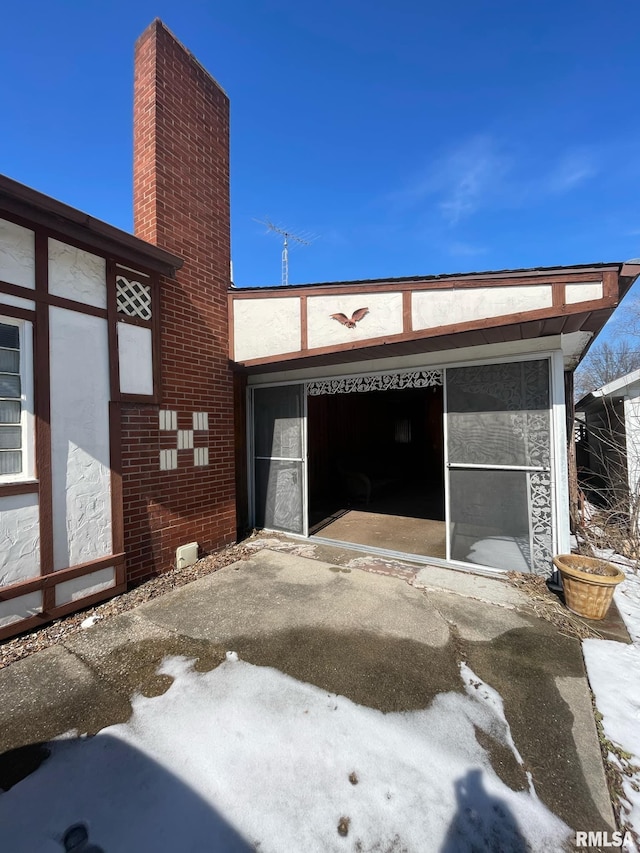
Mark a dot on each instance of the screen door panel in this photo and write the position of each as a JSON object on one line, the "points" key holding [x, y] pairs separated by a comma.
{"points": [[499, 462], [278, 442]]}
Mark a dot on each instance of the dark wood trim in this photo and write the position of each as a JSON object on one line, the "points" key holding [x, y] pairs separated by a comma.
{"points": [[115, 454], [49, 581], [126, 267], [72, 305], [454, 283], [18, 290], [407, 312], [42, 381], [31, 487], [559, 297], [105, 240], [442, 331], [630, 270], [304, 324], [147, 399], [610, 286], [89, 601], [136, 321], [112, 314], [41, 619], [591, 321], [50, 298], [17, 313], [31, 623]]}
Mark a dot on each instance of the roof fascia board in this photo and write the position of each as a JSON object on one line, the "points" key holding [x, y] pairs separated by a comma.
{"points": [[33, 206], [576, 272]]}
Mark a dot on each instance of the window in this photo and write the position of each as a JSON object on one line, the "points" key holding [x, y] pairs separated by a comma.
{"points": [[15, 400]]}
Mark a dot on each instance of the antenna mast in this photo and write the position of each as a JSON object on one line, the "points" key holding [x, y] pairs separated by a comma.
{"points": [[304, 240]]}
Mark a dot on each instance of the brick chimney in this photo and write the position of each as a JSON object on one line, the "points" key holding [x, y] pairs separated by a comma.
{"points": [[181, 203]]}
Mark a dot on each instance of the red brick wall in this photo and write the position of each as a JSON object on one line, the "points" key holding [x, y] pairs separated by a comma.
{"points": [[181, 203]]}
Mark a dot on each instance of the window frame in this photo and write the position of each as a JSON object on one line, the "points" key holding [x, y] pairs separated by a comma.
{"points": [[26, 372]]}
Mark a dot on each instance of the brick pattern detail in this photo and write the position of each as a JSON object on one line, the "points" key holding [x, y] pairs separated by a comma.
{"points": [[181, 203]]}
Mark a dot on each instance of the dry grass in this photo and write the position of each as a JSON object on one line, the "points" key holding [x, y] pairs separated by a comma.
{"points": [[547, 606]]}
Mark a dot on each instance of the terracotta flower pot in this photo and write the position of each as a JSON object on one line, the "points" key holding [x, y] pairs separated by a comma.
{"points": [[588, 584]]}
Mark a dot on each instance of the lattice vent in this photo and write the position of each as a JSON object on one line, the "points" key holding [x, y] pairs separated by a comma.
{"points": [[133, 298]]}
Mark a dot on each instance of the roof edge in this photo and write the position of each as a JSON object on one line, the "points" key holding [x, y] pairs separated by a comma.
{"points": [[520, 272], [42, 209]]}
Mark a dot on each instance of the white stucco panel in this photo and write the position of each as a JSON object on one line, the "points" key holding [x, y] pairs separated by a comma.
{"points": [[79, 437], [17, 254], [76, 274], [20, 608], [20, 538], [135, 356], [384, 318], [84, 586], [264, 327], [16, 301], [433, 308], [583, 292]]}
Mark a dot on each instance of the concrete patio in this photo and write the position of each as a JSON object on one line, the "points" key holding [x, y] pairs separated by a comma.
{"points": [[380, 641]]}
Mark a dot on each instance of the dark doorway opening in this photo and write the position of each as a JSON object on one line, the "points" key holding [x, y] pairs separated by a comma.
{"points": [[376, 469]]}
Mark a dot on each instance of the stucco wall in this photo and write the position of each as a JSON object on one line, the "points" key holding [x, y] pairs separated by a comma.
{"points": [[79, 437], [20, 608], [83, 586], [17, 254], [583, 292], [433, 308], [135, 357], [384, 318], [272, 326], [76, 274], [19, 538], [264, 327]]}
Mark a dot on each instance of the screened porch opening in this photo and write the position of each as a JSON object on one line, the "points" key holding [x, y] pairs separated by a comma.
{"points": [[376, 469]]}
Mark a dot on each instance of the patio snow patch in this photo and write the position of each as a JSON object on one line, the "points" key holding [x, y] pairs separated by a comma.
{"points": [[247, 758], [614, 675]]}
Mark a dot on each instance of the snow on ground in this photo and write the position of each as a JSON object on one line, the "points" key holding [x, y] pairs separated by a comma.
{"points": [[614, 674], [246, 758]]}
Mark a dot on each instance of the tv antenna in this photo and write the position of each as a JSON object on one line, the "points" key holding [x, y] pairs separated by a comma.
{"points": [[303, 239]]}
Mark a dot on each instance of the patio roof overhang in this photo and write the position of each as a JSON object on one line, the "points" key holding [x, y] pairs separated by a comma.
{"points": [[415, 314]]}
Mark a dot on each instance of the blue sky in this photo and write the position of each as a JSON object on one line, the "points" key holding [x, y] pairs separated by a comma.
{"points": [[412, 137]]}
